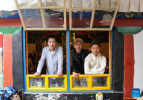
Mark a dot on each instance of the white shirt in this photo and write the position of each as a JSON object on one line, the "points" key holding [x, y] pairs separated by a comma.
{"points": [[54, 60], [94, 65]]}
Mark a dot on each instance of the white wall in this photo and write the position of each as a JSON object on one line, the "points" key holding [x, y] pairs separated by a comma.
{"points": [[138, 55]]}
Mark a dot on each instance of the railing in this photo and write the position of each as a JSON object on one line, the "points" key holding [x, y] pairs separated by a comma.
{"points": [[55, 83]]}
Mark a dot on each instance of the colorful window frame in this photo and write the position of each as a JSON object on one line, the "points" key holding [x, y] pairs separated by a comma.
{"points": [[69, 78], [46, 88]]}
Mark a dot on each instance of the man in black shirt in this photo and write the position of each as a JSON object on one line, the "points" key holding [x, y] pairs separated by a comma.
{"points": [[77, 58]]}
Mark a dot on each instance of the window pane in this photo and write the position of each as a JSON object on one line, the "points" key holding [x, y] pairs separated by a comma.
{"points": [[53, 3], [81, 19], [32, 18], [37, 82], [102, 19], [54, 18], [82, 3], [82, 82], [99, 81], [28, 3], [56, 82], [36, 41], [106, 3]]}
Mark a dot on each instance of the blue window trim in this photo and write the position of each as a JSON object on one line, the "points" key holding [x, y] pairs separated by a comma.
{"points": [[111, 54], [68, 58], [24, 59], [68, 69]]}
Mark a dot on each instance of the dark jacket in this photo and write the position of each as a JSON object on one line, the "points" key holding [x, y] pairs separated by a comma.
{"points": [[76, 66]]}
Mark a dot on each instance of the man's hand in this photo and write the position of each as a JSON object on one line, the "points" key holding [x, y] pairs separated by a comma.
{"points": [[60, 74], [102, 54], [37, 74], [76, 75]]}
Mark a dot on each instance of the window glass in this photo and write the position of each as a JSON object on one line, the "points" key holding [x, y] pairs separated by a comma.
{"points": [[56, 82], [32, 18], [37, 82], [54, 18], [81, 18], [99, 81], [81, 82], [102, 19]]}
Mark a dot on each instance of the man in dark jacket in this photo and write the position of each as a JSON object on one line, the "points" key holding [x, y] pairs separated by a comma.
{"points": [[77, 58]]}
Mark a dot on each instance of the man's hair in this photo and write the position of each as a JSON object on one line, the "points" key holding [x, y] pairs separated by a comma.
{"points": [[95, 42], [52, 36], [78, 40]]}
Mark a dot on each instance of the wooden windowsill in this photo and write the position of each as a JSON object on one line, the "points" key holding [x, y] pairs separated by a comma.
{"points": [[129, 98]]}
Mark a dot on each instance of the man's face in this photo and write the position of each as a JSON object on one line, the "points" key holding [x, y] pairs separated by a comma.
{"points": [[78, 46], [95, 49], [52, 43]]}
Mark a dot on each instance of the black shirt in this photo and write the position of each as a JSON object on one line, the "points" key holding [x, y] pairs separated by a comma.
{"points": [[77, 61]]}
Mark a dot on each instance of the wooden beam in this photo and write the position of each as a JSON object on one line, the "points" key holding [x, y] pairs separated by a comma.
{"points": [[53, 7], [115, 13], [70, 15], [88, 29], [93, 13], [29, 7], [51, 29], [42, 14], [20, 14], [65, 15]]}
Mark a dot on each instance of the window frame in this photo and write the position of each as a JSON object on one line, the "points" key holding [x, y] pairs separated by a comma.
{"points": [[42, 14], [92, 17], [68, 76]]}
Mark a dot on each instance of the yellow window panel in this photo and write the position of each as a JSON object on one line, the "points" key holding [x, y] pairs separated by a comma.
{"points": [[41, 83], [57, 88], [36, 83], [90, 82]]}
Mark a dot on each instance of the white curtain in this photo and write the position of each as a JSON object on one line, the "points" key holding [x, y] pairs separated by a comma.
{"points": [[7, 5], [141, 5], [131, 6], [105, 3], [125, 5]]}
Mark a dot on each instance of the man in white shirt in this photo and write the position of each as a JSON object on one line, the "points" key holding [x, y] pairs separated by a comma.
{"points": [[95, 63], [53, 56]]}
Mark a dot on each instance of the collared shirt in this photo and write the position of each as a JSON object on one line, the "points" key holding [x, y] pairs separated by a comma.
{"points": [[94, 65], [54, 60]]}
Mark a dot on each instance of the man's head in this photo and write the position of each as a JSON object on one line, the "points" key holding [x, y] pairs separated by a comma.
{"points": [[95, 48], [78, 44], [52, 42]]}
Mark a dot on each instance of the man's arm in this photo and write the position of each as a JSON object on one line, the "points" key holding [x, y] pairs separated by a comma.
{"points": [[101, 70], [73, 67], [60, 61], [87, 69], [41, 62]]}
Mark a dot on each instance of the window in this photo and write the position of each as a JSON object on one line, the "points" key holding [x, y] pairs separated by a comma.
{"points": [[95, 81], [35, 42], [92, 17], [42, 15], [66, 83], [92, 14]]}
